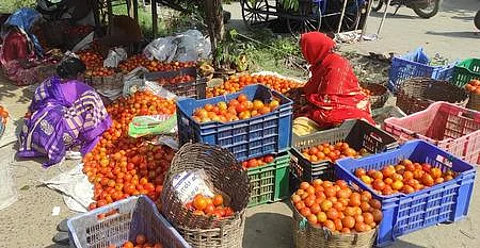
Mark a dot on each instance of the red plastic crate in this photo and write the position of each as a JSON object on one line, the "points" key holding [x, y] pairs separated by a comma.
{"points": [[450, 127]]}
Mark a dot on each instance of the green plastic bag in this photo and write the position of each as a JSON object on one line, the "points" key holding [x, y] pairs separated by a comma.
{"points": [[152, 125]]}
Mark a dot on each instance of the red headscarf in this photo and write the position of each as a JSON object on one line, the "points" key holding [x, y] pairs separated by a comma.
{"points": [[333, 90]]}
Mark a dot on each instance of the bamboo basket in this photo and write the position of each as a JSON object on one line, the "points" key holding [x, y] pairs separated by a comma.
{"points": [[227, 177], [307, 236], [474, 102]]}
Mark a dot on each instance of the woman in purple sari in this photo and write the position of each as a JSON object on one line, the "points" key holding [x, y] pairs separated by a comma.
{"points": [[64, 114]]}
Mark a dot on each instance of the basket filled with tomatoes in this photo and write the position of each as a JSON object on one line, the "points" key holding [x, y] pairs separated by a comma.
{"points": [[181, 82], [206, 208], [268, 178], [378, 94], [418, 93], [418, 185], [314, 155], [251, 123], [133, 221], [331, 214], [473, 88], [448, 126]]}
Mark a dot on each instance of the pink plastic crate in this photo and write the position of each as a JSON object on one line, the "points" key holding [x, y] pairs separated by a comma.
{"points": [[450, 127]]}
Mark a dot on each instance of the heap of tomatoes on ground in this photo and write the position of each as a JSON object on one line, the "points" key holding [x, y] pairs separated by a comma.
{"points": [[209, 206], [406, 177], [335, 206], [236, 109], [140, 241], [121, 166], [332, 153], [152, 65]]}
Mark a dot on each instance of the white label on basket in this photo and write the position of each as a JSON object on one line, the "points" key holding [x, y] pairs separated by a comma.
{"points": [[188, 184]]}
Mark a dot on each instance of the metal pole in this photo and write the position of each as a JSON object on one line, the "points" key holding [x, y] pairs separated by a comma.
{"points": [[154, 17], [342, 16], [383, 18], [369, 10]]}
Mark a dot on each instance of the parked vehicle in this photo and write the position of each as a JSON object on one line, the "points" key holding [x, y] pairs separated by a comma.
{"points": [[423, 8]]}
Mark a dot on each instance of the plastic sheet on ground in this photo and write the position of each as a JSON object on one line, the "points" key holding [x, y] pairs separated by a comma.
{"points": [[76, 190], [8, 193]]}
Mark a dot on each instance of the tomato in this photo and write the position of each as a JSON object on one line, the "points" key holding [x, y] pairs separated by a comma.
{"points": [[140, 239], [218, 200]]}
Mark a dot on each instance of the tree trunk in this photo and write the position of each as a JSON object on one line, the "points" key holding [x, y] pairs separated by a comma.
{"points": [[214, 20]]}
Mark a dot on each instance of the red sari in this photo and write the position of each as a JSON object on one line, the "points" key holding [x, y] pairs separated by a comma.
{"points": [[333, 90]]}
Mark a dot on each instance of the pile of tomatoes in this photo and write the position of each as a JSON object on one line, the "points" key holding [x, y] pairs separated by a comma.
{"points": [[202, 205], [139, 242], [473, 87], [332, 153], [120, 166], [176, 80], [236, 83], [236, 109], [3, 115], [133, 62], [258, 162], [100, 72], [336, 207], [152, 65], [406, 177], [91, 59]]}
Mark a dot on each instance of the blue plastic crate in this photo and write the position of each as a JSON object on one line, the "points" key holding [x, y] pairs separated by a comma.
{"points": [[135, 215], [415, 64], [402, 214], [246, 139]]}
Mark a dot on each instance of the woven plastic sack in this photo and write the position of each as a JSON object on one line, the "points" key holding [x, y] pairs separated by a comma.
{"points": [[8, 193]]}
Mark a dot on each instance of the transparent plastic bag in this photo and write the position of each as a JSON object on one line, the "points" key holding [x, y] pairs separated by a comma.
{"points": [[161, 49], [188, 46], [115, 56]]}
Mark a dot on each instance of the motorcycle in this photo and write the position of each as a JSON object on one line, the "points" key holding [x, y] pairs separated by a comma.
{"points": [[423, 8]]}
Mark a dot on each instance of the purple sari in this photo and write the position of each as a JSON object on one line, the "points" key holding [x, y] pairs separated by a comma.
{"points": [[64, 115]]}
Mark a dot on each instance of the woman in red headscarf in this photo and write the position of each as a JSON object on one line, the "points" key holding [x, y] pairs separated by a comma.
{"points": [[333, 90]]}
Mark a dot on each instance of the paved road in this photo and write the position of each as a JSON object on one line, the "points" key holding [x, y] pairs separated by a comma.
{"points": [[451, 32]]}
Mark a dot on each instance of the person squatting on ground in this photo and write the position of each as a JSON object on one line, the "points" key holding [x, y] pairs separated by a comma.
{"points": [[333, 91], [65, 113], [21, 49]]}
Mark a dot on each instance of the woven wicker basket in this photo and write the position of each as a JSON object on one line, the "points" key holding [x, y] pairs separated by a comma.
{"points": [[379, 94], [228, 236], [307, 236], [474, 102], [418, 93], [225, 173]]}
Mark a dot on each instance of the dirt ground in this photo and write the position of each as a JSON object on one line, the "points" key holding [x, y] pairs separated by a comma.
{"points": [[29, 222]]}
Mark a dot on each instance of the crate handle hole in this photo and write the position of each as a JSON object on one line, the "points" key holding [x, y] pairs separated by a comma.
{"points": [[376, 137], [447, 161]]}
